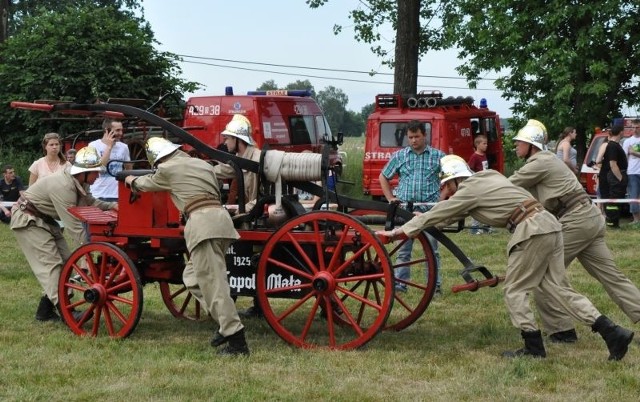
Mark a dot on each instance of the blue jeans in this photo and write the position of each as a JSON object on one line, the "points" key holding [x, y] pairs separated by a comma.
{"points": [[404, 255], [633, 188]]}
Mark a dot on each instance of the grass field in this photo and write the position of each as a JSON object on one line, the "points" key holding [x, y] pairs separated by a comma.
{"points": [[451, 353]]}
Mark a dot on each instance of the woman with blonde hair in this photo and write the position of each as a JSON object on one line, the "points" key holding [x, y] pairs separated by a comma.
{"points": [[52, 161]]}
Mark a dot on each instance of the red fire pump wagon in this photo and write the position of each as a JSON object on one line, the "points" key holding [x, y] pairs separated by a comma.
{"points": [[451, 124], [323, 278]]}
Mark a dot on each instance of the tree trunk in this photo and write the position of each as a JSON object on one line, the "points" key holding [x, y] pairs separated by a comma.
{"points": [[405, 79], [4, 20]]}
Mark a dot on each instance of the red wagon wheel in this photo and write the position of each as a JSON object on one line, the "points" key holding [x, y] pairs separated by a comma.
{"points": [[101, 282], [180, 302], [325, 261], [410, 305]]}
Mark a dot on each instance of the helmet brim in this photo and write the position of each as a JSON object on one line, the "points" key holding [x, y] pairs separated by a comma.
{"points": [[74, 170]]}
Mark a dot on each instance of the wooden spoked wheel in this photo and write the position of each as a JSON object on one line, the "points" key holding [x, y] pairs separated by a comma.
{"points": [[100, 292], [138, 152], [409, 305], [180, 302], [325, 261]]}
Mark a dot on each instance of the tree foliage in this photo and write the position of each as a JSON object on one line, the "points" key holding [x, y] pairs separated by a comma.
{"points": [[81, 55], [416, 30], [565, 62], [21, 10]]}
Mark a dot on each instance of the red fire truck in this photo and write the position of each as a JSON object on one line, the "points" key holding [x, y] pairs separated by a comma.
{"points": [[289, 120], [451, 124]]}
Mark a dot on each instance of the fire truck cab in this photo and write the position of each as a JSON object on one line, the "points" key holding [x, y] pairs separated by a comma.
{"points": [[288, 120], [451, 125]]}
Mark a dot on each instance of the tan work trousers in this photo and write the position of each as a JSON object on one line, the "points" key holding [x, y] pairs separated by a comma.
{"points": [[46, 251], [206, 278], [583, 232], [538, 263]]}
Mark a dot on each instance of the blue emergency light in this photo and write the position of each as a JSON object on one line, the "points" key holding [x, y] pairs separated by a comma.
{"points": [[282, 92], [483, 103]]}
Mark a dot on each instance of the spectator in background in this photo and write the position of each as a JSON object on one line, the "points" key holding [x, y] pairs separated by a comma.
{"points": [[613, 176], [565, 151], [631, 148], [52, 161], [479, 162], [417, 167], [71, 155], [110, 147], [12, 188]]}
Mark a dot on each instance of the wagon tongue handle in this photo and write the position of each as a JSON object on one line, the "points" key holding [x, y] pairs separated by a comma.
{"points": [[475, 284]]}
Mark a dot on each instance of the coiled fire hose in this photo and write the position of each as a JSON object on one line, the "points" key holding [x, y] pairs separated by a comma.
{"points": [[280, 165]]}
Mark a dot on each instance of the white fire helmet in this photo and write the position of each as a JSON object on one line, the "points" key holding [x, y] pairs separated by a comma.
{"points": [[239, 127], [157, 147], [87, 160], [534, 133], [452, 167]]}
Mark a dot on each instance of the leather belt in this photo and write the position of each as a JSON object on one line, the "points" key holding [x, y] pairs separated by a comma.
{"points": [[199, 203], [27, 207], [526, 209], [569, 201]]}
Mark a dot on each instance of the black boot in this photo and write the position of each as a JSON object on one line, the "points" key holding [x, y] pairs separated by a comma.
{"points": [[568, 336], [533, 346], [237, 345], [616, 337], [218, 339], [252, 312], [46, 310]]}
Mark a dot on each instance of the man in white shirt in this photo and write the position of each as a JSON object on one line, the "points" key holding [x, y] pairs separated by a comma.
{"points": [[631, 147], [110, 147]]}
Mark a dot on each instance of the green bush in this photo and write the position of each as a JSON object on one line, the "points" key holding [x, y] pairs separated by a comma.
{"points": [[20, 160]]}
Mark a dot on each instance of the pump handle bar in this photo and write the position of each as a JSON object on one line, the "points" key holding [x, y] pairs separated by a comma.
{"points": [[475, 285]]}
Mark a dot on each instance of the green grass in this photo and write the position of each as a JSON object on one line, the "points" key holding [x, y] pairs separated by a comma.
{"points": [[451, 353]]}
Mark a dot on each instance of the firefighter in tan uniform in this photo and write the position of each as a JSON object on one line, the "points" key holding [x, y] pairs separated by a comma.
{"points": [[208, 232], [238, 139], [583, 229], [535, 258], [34, 225]]}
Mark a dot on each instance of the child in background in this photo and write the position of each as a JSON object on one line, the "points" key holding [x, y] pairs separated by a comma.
{"points": [[479, 162]]}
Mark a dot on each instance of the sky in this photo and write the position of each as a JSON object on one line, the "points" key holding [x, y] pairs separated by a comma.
{"points": [[241, 37]]}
